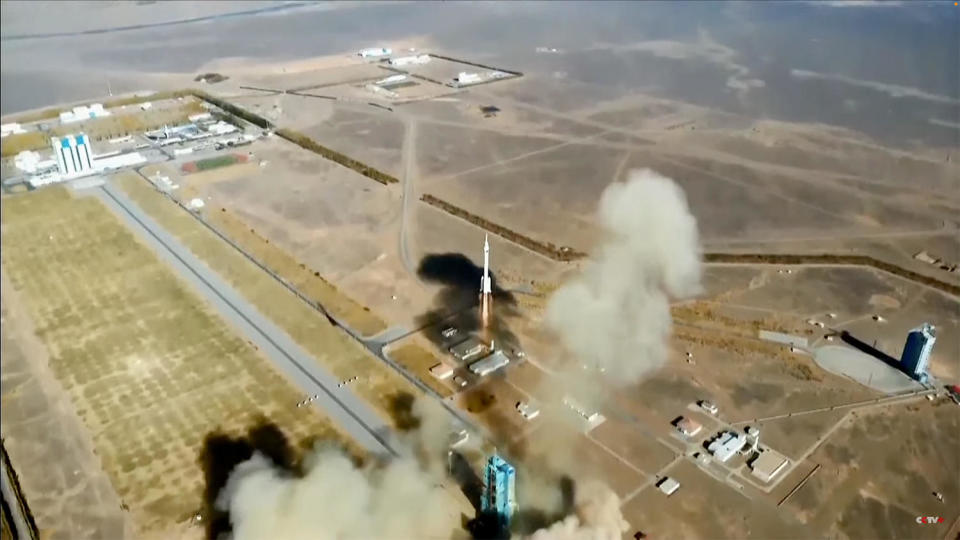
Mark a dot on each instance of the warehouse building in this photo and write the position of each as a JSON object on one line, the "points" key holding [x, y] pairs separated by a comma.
{"points": [[727, 445], [469, 350], [689, 427], [768, 464], [488, 365]]}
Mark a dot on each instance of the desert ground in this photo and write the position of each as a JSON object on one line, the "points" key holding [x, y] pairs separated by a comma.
{"points": [[149, 370], [532, 156]]}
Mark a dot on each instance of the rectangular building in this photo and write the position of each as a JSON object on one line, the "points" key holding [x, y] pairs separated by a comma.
{"points": [[916, 351], [727, 445], [489, 364], [441, 371], [768, 464], [469, 350], [689, 427], [72, 154]]}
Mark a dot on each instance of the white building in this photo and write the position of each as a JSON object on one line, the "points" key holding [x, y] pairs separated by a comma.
{"points": [[120, 160], [11, 129], [768, 465], [668, 486], [727, 445], [222, 128], [374, 52], [72, 154], [466, 78], [81, 113], [489, 364], [441, 371], [29, 161], [592, 418], [393, 79], [410, 60]]}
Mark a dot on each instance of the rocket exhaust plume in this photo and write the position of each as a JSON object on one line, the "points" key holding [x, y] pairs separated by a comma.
{"points": [[615, 316], [486, 290]]}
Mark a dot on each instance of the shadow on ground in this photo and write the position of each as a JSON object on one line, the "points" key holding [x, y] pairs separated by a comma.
{"points": [[457, 302], [222, 453], [861, 346]]}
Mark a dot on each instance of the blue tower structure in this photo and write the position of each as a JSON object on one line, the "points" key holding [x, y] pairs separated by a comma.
{"points": [[917, 349], [499, 489]]}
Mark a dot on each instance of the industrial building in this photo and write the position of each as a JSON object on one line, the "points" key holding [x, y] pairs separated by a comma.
{"points": [[11, 129], [392, 80], [591, 417], [668, 486], [418, 59], [29, 162], [916, 351], [441, 371], [468, 350], [488, 365], [81, 113], [727, 445], [768, 465], [689, 427], [374, 52], [499, 489], [464, 78], [72, 154]]}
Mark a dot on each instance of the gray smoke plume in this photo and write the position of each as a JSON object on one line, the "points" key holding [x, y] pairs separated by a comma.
{"points": [[615, 316], [336, 499]]}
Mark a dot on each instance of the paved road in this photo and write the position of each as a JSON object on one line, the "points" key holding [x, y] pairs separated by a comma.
{"points": [[340, 404], [20, 525]]}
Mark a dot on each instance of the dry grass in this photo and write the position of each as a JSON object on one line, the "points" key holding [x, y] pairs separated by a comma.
{"points": [[345, 358], [150, 369], [309, 282], [418, 361]]}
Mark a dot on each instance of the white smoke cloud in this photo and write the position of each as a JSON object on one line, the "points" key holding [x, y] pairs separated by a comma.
{"points": [[336, 499], [597, 517], [615, 316]]}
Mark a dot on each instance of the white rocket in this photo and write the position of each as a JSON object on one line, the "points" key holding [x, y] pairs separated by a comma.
{"points": [[485, 285]]}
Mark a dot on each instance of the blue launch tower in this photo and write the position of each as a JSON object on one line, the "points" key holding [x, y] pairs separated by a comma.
{"points": [[499, 489], [916, 351]]}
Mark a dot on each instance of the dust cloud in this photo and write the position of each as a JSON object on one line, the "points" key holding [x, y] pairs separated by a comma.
{"points": [[330, 496], [597, 517], [615, 316]]}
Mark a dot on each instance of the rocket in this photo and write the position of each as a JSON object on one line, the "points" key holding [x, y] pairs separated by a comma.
{"points": [[485, 284]]}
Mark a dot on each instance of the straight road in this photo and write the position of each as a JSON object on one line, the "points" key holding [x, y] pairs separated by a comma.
{"points": [[21, 527], [340, 404]]}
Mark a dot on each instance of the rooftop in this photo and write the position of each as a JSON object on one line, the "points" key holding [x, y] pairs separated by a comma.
{"points": [[768, 464]]}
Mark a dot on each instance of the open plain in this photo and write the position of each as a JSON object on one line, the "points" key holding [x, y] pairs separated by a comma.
{"points": [[355, 225]]}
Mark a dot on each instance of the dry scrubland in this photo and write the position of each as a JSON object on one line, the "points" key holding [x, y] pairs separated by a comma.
{"points": [[307, 281], [879, 472], [330, 346], [150, 370]]}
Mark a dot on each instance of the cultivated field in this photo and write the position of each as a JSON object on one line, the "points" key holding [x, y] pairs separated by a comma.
{"points": [[150, 370], [377, 383]]}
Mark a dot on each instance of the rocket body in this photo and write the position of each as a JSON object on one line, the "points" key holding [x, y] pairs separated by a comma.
{"points": [[486, 287]]}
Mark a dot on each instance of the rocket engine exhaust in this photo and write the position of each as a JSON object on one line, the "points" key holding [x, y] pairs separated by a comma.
{"points": [[486, 290]]}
